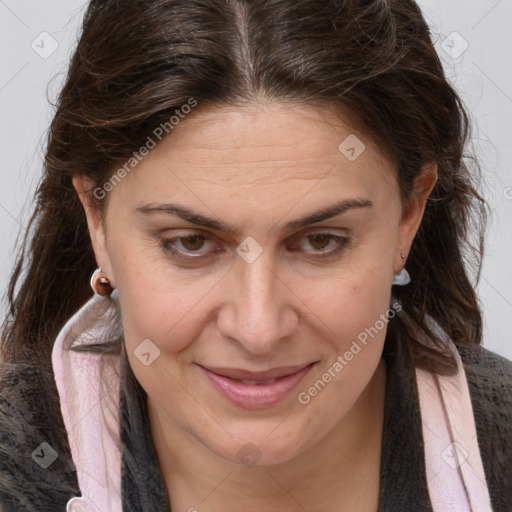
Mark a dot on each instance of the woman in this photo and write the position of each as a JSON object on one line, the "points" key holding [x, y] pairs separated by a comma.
{"points": [[276, 197]]}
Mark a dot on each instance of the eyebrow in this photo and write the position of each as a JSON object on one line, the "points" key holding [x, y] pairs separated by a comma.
{"points": [[212, 223]]}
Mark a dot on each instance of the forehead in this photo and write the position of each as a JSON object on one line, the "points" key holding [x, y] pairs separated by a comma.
{"points": [[287, 147], [262, 134]]}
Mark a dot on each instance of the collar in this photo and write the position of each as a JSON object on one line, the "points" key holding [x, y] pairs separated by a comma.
{"points": [[455, 473], [89, 390]]}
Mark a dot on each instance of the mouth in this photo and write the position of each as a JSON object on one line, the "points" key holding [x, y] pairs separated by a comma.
{"points": [[256, 390]]}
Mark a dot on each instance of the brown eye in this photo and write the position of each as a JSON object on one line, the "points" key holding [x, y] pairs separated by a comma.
{"points": [[190, 247], [193, 242], [320, 241], [323, 245]]}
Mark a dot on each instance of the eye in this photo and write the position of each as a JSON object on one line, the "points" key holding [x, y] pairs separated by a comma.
{"points": [[319, 241], [324, 244], [185, 248], [193, 242]]}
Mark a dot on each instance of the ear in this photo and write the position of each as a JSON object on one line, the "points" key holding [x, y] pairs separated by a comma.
{"points": [[84, 185], [413, 212]]}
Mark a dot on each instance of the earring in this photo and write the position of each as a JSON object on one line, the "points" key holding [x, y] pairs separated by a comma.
{"points": [[401, 278], [100, 283]]}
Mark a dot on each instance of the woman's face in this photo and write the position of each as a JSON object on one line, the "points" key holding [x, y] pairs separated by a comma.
{"points": [[256, 239]]}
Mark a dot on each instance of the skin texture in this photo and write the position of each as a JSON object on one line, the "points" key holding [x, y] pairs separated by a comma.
{"points": [[255, 169]]}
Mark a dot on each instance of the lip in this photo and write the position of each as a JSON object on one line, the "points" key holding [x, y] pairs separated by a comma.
{"points": [[237, 373], [256, 395]]}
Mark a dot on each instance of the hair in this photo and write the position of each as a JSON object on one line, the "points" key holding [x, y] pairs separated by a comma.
{"points": [[372, 61]]}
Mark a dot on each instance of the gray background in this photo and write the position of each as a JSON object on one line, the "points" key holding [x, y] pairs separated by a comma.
{"points": [[481, 73]]}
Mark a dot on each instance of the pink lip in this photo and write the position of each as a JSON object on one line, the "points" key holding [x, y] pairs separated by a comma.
{"points": [[257, 396]]}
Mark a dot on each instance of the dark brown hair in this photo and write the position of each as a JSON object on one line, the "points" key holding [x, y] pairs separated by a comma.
{"points": [[138, 61]]}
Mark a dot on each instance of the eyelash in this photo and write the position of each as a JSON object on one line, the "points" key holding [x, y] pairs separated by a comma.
{"points": [[166, 245]]}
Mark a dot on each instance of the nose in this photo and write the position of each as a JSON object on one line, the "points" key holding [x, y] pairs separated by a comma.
{"points": [[259, 312]]}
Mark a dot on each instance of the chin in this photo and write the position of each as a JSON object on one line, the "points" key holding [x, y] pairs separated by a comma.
{"points": [[260, 447]]}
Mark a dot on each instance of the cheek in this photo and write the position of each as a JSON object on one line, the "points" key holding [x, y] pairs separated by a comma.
{"points": [[169, 316], [151, 302], [354, 302], [356, 319]]}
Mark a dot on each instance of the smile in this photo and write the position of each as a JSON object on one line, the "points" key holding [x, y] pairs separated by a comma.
{"points": [[256, 390]]}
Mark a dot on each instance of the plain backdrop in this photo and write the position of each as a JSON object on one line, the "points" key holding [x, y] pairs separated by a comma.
{"points": [[473, 38]]}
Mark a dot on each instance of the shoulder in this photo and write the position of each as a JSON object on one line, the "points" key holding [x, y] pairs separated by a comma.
{"points": [[489, 378], [479, 354], [486, 368]]}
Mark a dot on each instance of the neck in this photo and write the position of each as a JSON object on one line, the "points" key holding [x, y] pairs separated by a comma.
{"points": [[341, 473]]}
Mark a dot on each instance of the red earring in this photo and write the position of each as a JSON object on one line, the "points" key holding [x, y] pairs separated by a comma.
{"points": [[100, 283]]}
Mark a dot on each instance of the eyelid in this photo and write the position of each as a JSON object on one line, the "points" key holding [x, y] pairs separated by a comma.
{"points": [[319, 231], [187, 232]]}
